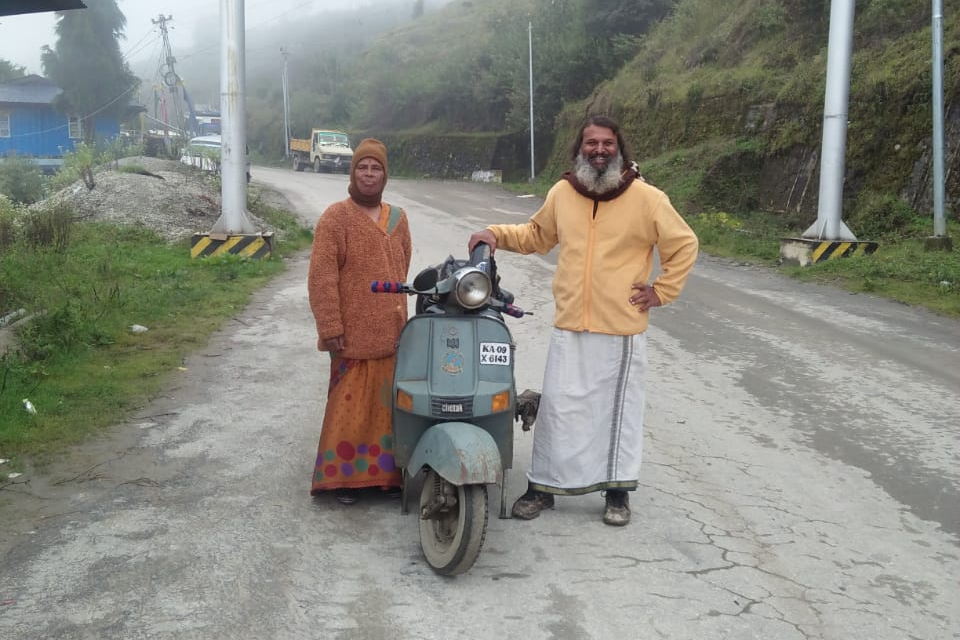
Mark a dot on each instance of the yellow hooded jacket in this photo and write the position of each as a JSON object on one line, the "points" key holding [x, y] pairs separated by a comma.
{"points": [[605, 247]]}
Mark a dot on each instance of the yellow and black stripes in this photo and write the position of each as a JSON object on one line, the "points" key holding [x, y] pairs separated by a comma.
{"points": [[828, 250], [257, 246]]}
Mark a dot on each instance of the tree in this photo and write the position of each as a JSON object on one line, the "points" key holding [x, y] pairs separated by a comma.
{"points": [[10, 71], [87, 64]]}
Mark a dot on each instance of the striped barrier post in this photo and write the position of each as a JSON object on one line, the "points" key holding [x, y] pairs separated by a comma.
{"points": [[258, 246], [805, 252]]}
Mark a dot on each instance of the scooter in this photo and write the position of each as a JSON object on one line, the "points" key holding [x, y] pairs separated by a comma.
{"points": [[454, 403]]}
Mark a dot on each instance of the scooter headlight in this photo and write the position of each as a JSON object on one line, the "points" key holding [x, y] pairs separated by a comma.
{"points": [[473, 288]]}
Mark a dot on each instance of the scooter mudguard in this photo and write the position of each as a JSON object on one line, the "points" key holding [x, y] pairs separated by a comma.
{"points": [[460, 452]]}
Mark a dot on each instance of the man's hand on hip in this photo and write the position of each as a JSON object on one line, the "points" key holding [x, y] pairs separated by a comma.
{"points": [[644, 297]]}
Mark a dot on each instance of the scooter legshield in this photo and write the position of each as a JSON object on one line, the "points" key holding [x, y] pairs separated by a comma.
{"points": [[459, 452]]}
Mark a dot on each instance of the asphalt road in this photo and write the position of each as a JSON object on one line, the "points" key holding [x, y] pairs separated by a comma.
{"points": [[800, 481]]}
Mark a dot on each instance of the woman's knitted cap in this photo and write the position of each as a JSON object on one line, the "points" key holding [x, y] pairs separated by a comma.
{"points": [[369, 148]]}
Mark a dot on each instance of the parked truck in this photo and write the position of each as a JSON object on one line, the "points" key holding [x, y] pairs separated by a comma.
{"points": [[324, 150]]}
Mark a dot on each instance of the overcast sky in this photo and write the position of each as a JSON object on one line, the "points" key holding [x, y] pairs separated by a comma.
{"points": [[21, 37]]}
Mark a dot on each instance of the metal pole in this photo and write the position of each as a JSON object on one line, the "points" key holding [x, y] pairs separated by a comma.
{"points": [[530, 54], [939, 219], [829, 225], [233, 138], [286, 108]]}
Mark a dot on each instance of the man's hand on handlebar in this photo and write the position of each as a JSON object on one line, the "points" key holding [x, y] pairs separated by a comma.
{"points": [[485, 236]]}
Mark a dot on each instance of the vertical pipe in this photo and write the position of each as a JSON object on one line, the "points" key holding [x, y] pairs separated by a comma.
{"points": [[829, 225], [530, 57], [233, 139], [939, 219], [286, 109]]}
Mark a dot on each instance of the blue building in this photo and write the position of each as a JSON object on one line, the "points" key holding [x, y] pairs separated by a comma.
{"points": [[31, 127]]}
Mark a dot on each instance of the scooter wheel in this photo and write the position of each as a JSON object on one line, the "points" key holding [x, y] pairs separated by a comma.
{"points": [[452, 537]]}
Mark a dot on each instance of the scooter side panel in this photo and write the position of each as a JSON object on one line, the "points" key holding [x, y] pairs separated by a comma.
{"points": [[460, 452], [452, 367]]}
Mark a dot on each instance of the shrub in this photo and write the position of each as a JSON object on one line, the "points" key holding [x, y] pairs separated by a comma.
{"points": [[878, 215], [8, 230], [21, 180], [77, 164], [49, 227]]}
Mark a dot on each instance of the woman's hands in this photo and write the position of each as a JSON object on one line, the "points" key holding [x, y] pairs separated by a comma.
{"points": [[333, 344]]}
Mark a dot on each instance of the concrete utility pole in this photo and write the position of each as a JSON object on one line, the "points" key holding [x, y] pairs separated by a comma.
{"points": [[939, 239], [286, 107], [530, 55], [829, 225], [233, 134], [828, 237]]}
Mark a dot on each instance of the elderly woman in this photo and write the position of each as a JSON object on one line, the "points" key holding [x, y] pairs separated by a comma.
{"points": [[358, 240]]}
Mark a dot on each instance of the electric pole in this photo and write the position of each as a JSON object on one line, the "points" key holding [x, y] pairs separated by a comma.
{"points": [[286, 106], [170, 78]]}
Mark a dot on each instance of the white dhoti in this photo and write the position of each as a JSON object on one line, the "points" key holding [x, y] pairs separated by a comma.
{"points": [[589, 429]]}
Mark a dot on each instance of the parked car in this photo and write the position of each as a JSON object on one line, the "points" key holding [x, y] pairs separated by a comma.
{"points": [[203, 152]]}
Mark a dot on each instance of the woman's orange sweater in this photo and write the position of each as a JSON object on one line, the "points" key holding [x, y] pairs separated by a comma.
{"points": [[350, 250]]}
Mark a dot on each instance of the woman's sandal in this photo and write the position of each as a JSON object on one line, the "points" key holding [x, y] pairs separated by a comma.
{"points": [[346, 496]]}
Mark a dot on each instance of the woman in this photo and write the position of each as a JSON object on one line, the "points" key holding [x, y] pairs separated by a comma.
{"points": [[356, 241]]}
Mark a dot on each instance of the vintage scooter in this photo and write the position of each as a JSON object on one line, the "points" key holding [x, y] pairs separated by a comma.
{"points": [[454, 403]]}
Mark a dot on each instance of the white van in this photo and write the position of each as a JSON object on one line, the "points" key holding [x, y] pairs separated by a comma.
{"points": [[203, 152]]}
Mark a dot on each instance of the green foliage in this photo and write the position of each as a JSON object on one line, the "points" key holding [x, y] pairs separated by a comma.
{"points": [[747, 236], [880, 216], [10, 71], [21, 179], [77, 164], [769, 18], [75, 356], [8, 227], [902, 270], [49, 227], [87, 64]]}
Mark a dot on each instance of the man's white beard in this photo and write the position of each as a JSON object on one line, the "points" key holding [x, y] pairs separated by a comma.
{"points": [[595, 180]]}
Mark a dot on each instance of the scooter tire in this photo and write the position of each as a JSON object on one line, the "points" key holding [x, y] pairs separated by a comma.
{"points": [[451, 543]]}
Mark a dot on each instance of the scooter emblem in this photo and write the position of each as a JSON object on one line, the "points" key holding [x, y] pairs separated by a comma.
{"points": [[453, 363]]}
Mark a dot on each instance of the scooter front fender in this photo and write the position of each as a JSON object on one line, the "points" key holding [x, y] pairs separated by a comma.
{"points": [[462, 453]]}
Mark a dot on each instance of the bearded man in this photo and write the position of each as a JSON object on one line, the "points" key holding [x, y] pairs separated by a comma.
{"points": [[606, 220]]}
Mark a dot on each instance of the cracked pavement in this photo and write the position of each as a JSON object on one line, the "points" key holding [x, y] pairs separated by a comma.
{"points": [[800, 481]]}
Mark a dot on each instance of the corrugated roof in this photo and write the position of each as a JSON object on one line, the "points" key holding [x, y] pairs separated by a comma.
{"points": [[15, 7], [31, 89]]}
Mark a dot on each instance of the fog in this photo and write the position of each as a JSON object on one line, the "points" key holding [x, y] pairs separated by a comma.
{"points": [[23, 36]]}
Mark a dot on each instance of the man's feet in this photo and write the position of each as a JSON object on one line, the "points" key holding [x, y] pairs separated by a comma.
{"points": [[617, 511], [346, 496], [529, 505]]}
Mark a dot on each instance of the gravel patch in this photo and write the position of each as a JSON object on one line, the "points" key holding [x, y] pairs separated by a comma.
{"points": [[171, 198]]}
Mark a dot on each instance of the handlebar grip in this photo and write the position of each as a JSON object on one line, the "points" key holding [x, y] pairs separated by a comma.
{"points": [[384, 286], [480, 254], [512, 310]]}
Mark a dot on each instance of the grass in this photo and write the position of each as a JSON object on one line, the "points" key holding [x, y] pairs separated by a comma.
{"points": [[77, 360]]}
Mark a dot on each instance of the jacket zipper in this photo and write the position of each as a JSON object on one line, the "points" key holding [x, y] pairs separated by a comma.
{"points": [[587, 277]]}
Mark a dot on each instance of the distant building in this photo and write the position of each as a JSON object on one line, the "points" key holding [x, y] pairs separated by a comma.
{"points": [[31, 127]]}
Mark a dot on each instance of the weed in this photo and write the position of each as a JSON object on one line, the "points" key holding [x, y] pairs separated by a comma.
{"points": [[49, 227]]}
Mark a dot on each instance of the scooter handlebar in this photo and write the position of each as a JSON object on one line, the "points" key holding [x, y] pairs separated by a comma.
{"points": [[481, 256], [512, 310], [384, 286]]}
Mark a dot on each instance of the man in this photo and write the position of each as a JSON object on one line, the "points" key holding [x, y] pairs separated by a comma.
{"points": [[606, 221], [358, 240]]}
